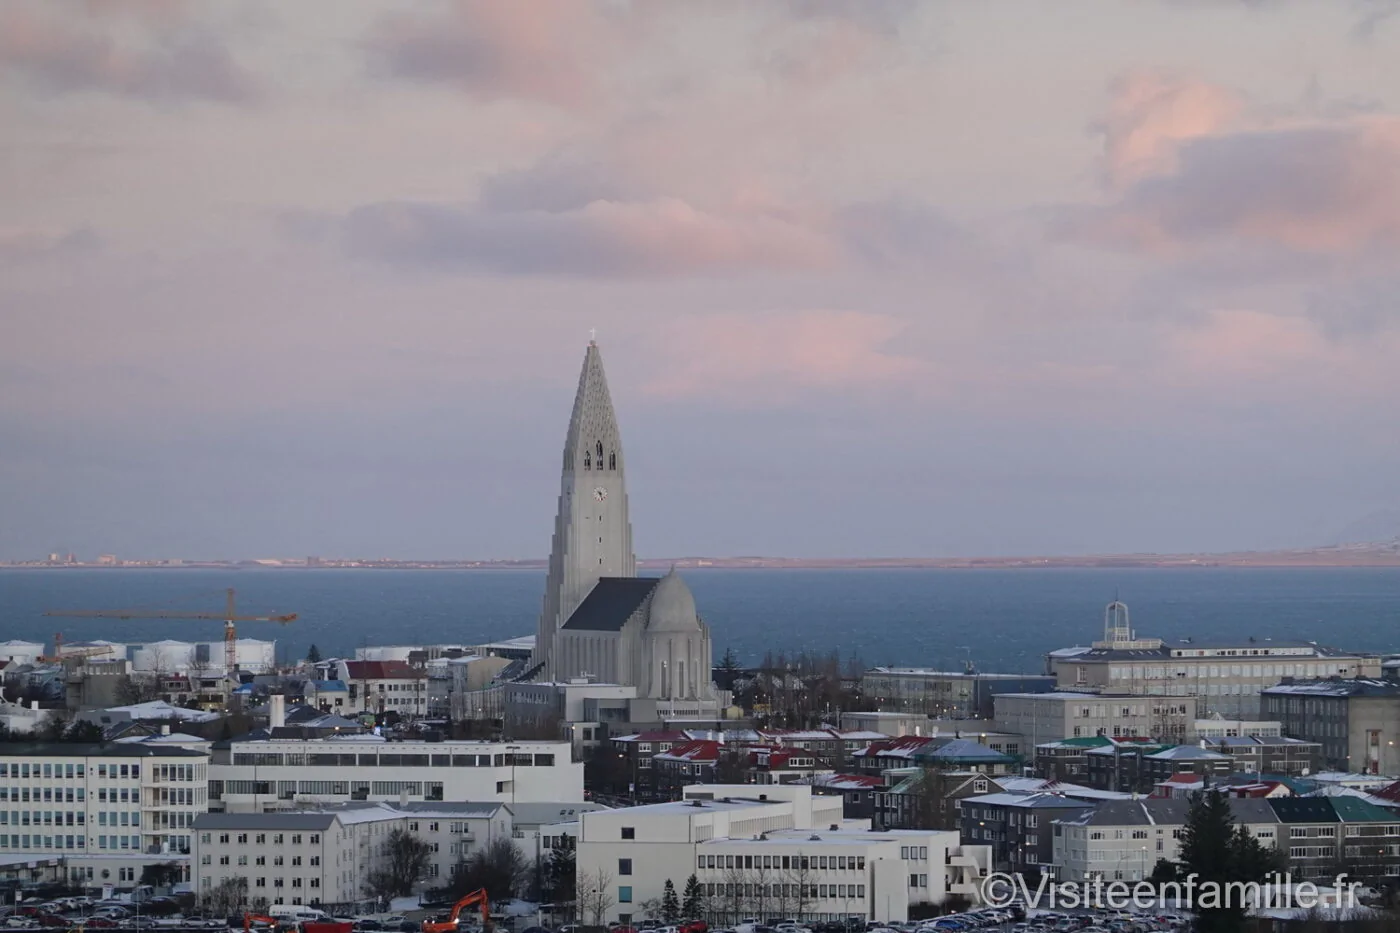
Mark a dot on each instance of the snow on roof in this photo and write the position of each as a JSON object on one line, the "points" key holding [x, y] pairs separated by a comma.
{"points": [[159, 709], [846, 781]]}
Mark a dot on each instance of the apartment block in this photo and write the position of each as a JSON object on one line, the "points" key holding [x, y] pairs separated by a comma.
{"points": [[109, 809], [1048, 717], [1356, 721], [258, 774]]}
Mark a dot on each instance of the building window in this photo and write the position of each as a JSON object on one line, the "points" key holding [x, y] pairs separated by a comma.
{"points": [[624, 894], [629, 832], [624, 866]]}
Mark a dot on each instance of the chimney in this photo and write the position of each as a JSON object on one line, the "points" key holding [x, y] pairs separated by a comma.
{"points": [[403, 797], [277, 711], [165, 728]]}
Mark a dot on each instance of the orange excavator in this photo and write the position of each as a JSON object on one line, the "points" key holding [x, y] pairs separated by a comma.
{"points": [[453, 919]]}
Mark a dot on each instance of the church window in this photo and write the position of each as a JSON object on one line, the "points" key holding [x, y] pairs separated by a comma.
{"points": [[587, 462], [612, 460], [600, 455]]}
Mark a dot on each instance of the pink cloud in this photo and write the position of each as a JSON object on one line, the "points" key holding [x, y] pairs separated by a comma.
{"points": [[771, 356], [1323, 188], [495, 49], [1151, 114]]}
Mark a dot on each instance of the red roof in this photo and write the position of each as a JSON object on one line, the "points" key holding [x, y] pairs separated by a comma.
{"points": [[1388, 792], [901, 747], [848, 781], [382, 670], [701, 750]]}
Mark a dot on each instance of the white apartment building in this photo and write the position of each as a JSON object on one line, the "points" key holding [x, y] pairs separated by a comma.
{"points": [[326, 855], [109, 810], [1227, 676], [758, 850], [283, 774], [1121, 840], [1049, 717]]}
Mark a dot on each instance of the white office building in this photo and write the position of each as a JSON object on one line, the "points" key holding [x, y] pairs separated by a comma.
{"points": [[109, 810], [263, 774], [766, 851]]}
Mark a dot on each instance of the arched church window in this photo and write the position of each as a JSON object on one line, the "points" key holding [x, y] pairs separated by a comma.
{"points": [[587, 461], [612, 460], [600, 454]]}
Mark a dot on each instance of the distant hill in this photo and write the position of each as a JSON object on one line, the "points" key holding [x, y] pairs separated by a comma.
{"points": [[1377, 528]]}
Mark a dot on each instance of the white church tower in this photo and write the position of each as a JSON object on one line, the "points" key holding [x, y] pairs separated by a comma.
{"points": [[592, 534]]}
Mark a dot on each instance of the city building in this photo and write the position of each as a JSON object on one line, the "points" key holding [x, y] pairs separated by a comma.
{"points": [[1325, 836], [1137, 768], [945, 694], [1218, 727], [1263, 754], [766, 852], [1122, 840], [1050, 716], [379, 687], [287, 773], [108, 810], [1357, 721], [1228, 676], [1018, 827], [600, 620]]}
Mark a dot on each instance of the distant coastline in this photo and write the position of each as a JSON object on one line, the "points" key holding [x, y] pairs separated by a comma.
{"points": [[1359, 555]]}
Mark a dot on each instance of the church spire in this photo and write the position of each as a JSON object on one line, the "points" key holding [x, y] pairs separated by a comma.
{"points": [[592, 533]]}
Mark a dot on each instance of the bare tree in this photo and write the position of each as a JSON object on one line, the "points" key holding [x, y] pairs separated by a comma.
{"points": [[595, 896], [226, 898], [404, 863], [801, 876]]}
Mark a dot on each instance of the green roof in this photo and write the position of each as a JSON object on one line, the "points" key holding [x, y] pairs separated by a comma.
{"points": [[1356, 810]]}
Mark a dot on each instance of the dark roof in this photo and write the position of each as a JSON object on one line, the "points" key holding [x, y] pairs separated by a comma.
{"points": [[383, 670], [1356, 810], [611, 602], [280, 820], [1336, 687], [1304, 809], [85, 750]]}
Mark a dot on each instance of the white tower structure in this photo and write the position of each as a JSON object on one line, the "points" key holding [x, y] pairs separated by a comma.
{"points": [[592, 533]]}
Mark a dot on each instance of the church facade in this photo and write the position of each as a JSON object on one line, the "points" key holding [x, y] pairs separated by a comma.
{"points": [[601, 623]]}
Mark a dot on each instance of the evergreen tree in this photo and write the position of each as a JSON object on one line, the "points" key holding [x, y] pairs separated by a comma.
{"points": [[313, 654], [1217, 851], [693, 902], [670, 906]]}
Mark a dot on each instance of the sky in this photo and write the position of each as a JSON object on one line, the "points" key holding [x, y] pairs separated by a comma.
{"points": [[870, 277]]}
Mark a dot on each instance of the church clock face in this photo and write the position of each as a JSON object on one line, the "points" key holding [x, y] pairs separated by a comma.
{"points": [[600, 493]]}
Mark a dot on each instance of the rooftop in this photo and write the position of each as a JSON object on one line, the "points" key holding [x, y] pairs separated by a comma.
{"points": [[1336, 687]]}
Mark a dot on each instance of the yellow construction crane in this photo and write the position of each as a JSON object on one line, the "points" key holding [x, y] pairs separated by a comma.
{"points": [[228, 618]]}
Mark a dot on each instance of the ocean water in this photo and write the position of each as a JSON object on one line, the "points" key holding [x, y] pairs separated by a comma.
{"points": [[1002, 620]]}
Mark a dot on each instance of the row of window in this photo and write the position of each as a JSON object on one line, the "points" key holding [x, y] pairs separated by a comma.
{"points": [[43, 794], [784, 862], [277, 860], [261, 882], [392, 760], [43, 817], [261, 838], [721, 889]]}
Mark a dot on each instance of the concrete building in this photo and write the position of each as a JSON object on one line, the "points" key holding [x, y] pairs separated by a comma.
{"points": [[1018, 827], [1122, 840], [1137, 769], [1048, 717], [766, 851], [1269, 754], [379, 687], [1218, 727], [1357, 721], [945, 694], [275, 773], [109, 810], [1228, 676], [600, 620]]}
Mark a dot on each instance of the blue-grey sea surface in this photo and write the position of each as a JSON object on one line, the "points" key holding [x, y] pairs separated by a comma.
{"points": [[1001, 620]]}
